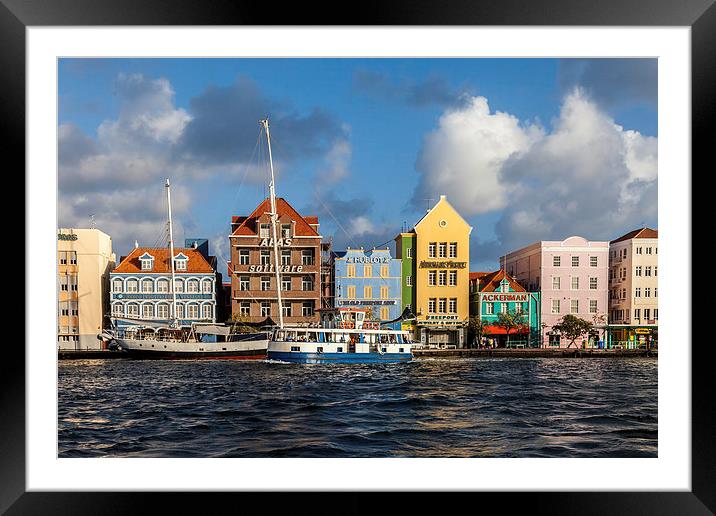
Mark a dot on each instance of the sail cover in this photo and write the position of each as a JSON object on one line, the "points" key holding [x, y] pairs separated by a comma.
{"points": [[225, 329], [407, 315]]}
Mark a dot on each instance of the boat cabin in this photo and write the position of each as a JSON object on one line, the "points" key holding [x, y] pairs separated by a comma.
{"points": [[347, 318]]}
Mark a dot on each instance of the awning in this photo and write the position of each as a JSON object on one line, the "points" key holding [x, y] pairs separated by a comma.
{"points": [[499, 330]]}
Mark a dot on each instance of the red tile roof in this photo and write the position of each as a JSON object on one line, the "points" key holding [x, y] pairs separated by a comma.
{"points": [[249, 227], [491, 281], [638, 233], [131, 263]]}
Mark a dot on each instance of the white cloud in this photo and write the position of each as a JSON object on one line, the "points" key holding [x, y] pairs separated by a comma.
{"points": [[337, 160]]}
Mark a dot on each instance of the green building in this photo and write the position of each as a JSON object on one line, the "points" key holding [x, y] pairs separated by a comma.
{"points": [[405, 251]]}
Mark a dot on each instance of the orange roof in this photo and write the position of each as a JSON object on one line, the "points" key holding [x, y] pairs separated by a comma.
{"points": [[131, 263], [249, 227], [478, 275], [491, 281], [638, 233]]}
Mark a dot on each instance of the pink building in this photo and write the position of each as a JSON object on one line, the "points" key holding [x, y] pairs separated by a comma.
{"points": [[572, 275]]}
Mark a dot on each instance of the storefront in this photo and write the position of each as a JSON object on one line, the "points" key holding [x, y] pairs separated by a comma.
{"points": [[441, 331], [622, 336]]}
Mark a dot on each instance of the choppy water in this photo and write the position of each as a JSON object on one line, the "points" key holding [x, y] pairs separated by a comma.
{"points": [[425, 408]]}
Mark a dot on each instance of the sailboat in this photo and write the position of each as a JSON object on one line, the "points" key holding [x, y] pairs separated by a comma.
{"points": [[344, 335], [169, 339]]}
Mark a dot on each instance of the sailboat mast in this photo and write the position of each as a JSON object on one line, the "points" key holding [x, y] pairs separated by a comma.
{"points": [[171, 253], [274, 218]]}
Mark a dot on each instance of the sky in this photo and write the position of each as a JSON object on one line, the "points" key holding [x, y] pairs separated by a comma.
{"points": [[524, 149]]}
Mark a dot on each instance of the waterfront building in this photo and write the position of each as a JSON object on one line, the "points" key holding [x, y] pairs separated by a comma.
{"points": [[253, 280], [84, 261], [405, 252], [440, 286], [634, 289], [572, 277], [369, 280], [141, 285], [492, 293]]}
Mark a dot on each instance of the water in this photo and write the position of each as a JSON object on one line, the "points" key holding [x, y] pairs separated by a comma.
{"points": [[425, 408]]}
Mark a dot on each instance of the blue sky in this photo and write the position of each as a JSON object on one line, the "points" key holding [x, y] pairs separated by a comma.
{"points": [[526, 149]]}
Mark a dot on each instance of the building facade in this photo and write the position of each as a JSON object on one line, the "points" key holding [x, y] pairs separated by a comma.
{"points": [[405, 252], [572, 277], [634, 289], [141, 287], [369, 280], [253, 282], [492, 293], [440, 290], [84, 262]]}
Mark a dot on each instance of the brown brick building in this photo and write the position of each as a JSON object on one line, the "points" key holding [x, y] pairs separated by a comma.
{"points": [[252, 267]]}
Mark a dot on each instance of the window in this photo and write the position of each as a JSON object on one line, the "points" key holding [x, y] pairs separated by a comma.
{"points": [[637, 272], [453, 249], [384, 273], [307, 257], [384, 313], [431, 305], [623, 293], [574, 306], [180, 264], [147, 264], [180, 311], [555, 306], [648, 250], [351, 271], [593, 261], [117, 285], [637, 292], [65, 311], [555, 283], [192, 311], [118, 309], [453, 279], [245, 309], [286, 309], [265, 257], [638, 250], [442, 278], [147, 285], [518, 308], [244, 257], [637, 314], [592, 283], [592, 306], [307, 283], [646, 313], [489, 308], [307, 309], [442, 305], [162, 285], [575, 261], [452, 305], [442, 250], [286, 257], [64, 287], [575, 283], [351, 292], [178, 285], [244, 283], [163, 311], [367, 292], [554, 340], [408, 252], [647, 270], [656, 313], [132, 285], [285, 283], [192, 286], [133, 309], [408, 281], [556, 261], [384, 292], [655, 271], [656, 292], [63, 259], [431, 278], [264, 230], [285, 230], [503, 308], [432, 247], [367, 271], [647, 292], [265, 282], [147, 311], [265, 308]]}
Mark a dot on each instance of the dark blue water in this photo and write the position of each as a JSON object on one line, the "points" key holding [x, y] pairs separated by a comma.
{"points": [[425, 408]]}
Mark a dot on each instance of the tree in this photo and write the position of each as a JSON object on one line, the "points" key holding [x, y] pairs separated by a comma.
{"points": [[573, 327], [510, 320], [476, 329]]}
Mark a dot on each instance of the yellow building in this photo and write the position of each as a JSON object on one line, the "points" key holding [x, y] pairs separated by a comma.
{"points": [[442, 269], [84, 260]]}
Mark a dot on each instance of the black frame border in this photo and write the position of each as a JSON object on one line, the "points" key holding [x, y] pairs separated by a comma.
{"points": [[17, 15]]}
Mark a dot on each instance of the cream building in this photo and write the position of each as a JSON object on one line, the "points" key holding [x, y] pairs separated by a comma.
{"points": [[634, 288], [442, 282], [84, 260]]}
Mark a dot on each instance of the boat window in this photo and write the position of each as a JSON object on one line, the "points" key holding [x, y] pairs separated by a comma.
{"points": [[319, 349], [339, 349], [401, 350], [295, 348]]}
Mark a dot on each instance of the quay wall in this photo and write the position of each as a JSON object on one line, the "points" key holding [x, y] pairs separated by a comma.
{"points": [[535, 353]]}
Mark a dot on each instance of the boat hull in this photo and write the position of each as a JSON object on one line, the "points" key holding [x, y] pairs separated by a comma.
{"points": [[151, 349], [338, 358]]}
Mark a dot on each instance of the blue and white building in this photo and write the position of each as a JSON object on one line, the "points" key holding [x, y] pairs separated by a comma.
{"points": [[369, 279]]}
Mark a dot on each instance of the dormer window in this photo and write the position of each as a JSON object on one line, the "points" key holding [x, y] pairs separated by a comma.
{"points": [[180, 262], [147, 262], [505, 286]]}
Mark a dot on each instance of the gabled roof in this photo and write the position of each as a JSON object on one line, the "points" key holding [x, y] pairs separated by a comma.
{"points": [[131, 264], [638, 233], [248, 226], [443, 199], [490, 282]]}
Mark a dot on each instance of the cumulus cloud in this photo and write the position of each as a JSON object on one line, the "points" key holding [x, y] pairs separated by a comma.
{"points": [[586, 175], [434, 90]]}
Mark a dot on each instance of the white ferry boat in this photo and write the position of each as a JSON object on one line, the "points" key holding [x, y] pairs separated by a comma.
{"points": [[345, 336]]}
